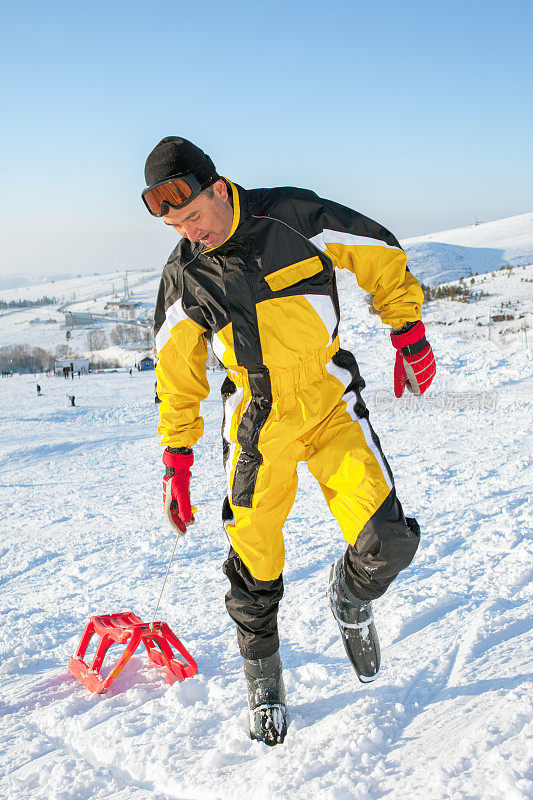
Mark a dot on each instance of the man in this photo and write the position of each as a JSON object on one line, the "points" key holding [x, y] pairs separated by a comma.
{"points": [[254, 273]]}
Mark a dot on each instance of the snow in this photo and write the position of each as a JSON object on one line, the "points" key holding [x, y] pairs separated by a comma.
{"points": [[84, 287], [44, 326], [83, 533], [484, 247]]}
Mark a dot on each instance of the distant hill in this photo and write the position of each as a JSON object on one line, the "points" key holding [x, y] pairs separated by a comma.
{"points": [[12, 282], [15, 281], [450, 255]]}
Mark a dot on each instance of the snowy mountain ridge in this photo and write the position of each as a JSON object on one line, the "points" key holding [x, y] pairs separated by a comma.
{"points": [[461, 252]]}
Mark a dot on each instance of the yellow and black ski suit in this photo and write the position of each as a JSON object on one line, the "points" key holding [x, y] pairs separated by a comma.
{"points": [[267, 299]]}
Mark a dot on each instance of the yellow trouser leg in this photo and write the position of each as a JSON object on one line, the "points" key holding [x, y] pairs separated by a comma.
{"points": [[256, 533], [350, 468]]}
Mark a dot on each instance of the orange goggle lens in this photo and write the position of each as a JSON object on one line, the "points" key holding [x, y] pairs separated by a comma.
{"points": [[174, 192]]}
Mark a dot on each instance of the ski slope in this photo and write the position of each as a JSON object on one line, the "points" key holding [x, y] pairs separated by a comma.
{"points": [[435, 258], [449, 255], [44, 326], [83, 533]]}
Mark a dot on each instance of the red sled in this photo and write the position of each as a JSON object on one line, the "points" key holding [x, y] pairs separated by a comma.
{"points": [[129, 628]]}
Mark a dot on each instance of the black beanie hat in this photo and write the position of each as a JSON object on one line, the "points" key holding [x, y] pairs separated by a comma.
{"points": [[176, 156]]}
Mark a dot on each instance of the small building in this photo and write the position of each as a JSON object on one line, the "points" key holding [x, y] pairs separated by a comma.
{"points": [[67, 366], [78, 319], [146, 363]]}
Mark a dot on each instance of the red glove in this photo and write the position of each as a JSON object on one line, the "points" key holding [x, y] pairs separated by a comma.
{"points": [[415, 362], [176, 497]]}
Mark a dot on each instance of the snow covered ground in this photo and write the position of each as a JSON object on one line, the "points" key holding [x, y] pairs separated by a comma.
{"points": [[44, 326], [450, 255], [81, 288], [82, 533]]}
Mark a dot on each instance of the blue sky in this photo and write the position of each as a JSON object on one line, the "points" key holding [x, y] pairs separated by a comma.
{"points": [[418, 114]]}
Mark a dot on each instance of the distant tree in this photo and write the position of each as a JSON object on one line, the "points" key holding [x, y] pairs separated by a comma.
{"points": [[427, 292], [42, 359], [41, 301], [104, 363], [451, 292], [121, 335], [25, 358], [147, 335], [96, 340]]}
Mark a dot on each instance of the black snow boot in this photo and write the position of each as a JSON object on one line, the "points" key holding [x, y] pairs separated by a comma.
{"points": [[356, 624], [266, 698]]}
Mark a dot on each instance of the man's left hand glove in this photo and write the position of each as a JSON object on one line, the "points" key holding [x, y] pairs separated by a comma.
{"points": [[176, 497], [415, 363]]}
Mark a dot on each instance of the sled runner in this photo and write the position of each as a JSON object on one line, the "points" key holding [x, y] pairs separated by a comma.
{"points": [[128, 628]]}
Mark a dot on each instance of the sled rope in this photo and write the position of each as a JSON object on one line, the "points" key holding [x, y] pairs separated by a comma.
{"points": [[179, 533]]}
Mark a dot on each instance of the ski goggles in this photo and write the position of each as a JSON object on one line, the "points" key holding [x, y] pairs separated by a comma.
{"points": [[173, 192]]}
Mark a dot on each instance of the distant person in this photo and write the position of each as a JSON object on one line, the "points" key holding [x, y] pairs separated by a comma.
{"points": [[72, 399], [131, 371], [255, 272], [38, 390], [156, 399]]}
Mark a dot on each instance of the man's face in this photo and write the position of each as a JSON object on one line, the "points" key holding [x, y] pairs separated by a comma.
{"points": [[205, 219]]}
